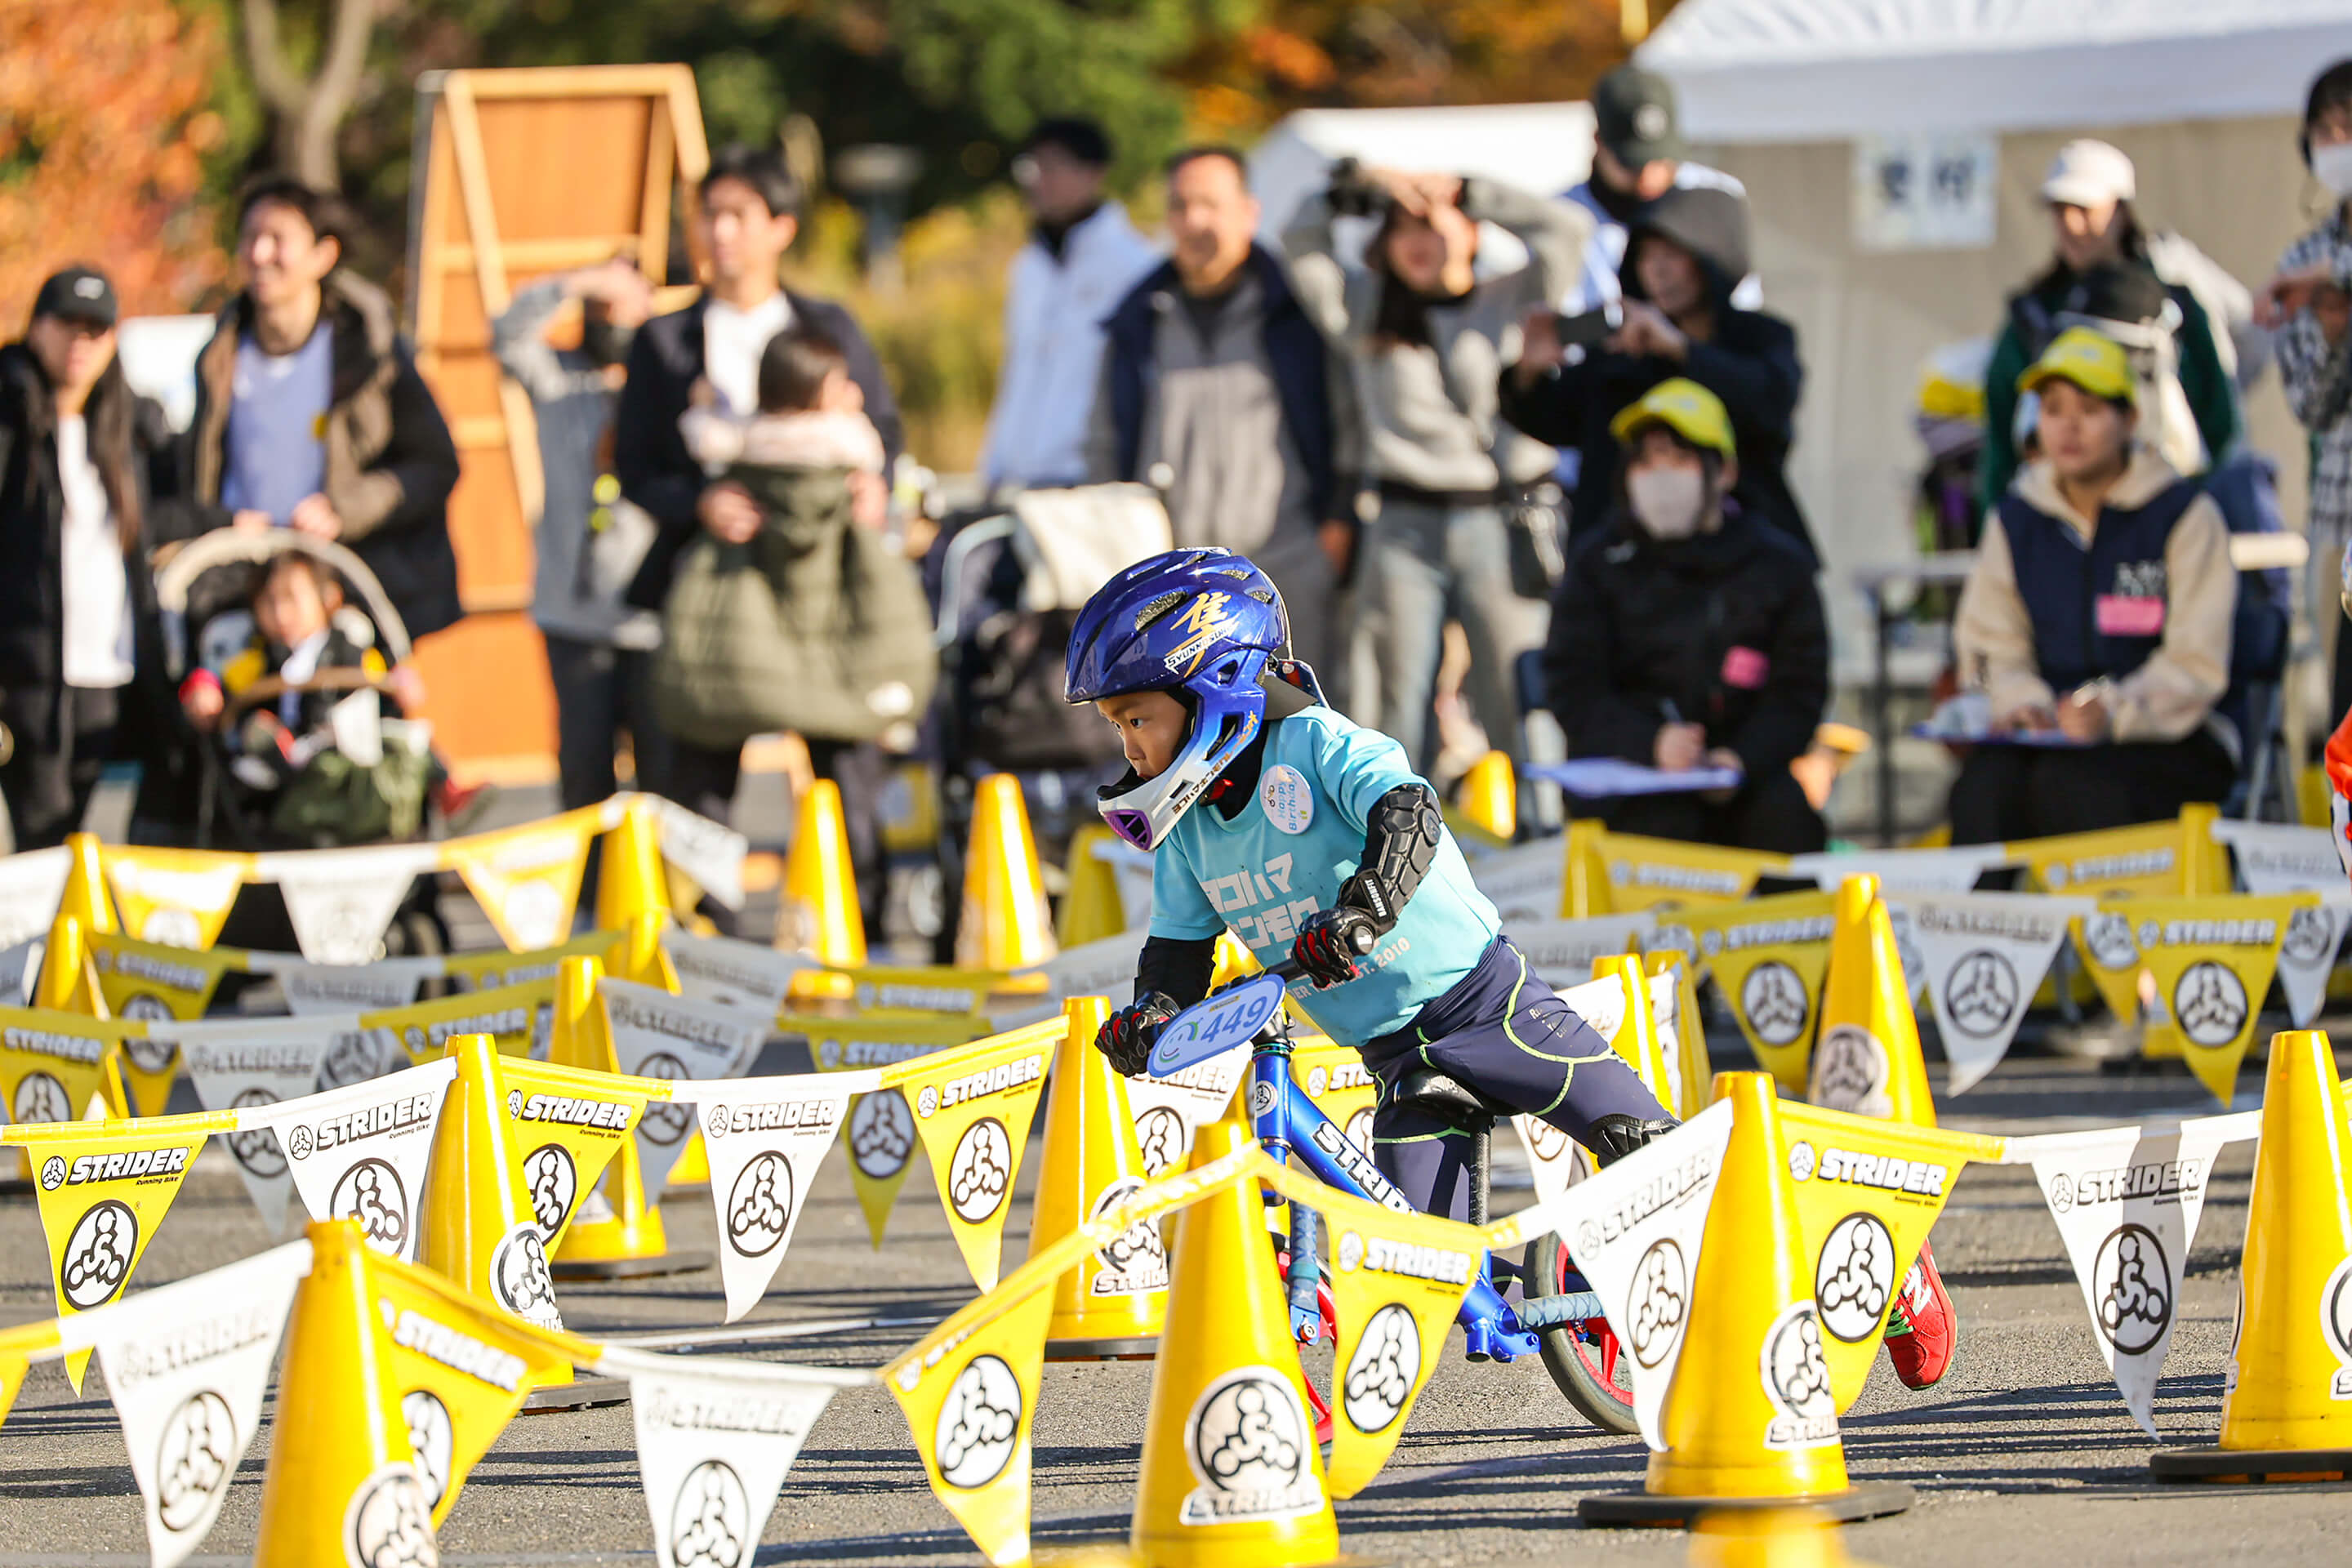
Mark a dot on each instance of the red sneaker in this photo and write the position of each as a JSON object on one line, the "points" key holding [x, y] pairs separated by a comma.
{"points": [[460, 808], [1924, 1328]]}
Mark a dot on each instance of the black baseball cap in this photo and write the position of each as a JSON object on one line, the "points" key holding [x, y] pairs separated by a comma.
{"points": [[1083, 139], [1633, 117], [78, 294]]}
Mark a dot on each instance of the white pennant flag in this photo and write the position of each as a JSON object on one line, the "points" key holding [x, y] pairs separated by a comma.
{"points": [[1985, 954], [31, 885], [359, 1153], [1904, 870], [656, 1035], [2126, 1204], [1166, 1111], [713, 1444], [1666, 1011], [1553, 1159], [371, 987], [185, 1366], [1102, 968], [340, 901], [1523, 881], [765, 1138], [236, 1063], [2274, 857], [1563, 951], [709, 852], [2308, 954], [1131, 869], [735, 974], [1635, 1231]]}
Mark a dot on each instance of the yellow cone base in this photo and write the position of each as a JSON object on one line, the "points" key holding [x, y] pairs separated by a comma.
{"points": [[1871, 1500], [2251, 1467], [579, 1393], [1102, 1349], [625, 1247]]}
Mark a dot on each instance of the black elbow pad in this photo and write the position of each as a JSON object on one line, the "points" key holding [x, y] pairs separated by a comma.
{"points": [[1401, 840]]}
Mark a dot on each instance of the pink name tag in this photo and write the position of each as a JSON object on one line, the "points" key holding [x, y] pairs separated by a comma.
{"points": [[1745, 668], [2122, 616]]}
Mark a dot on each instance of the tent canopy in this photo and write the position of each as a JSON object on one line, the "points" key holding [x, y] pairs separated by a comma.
{"points": [[1821, 70], [1543, 147]]}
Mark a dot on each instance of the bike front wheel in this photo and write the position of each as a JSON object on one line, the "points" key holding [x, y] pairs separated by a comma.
{"points": [[1583, 1355]]}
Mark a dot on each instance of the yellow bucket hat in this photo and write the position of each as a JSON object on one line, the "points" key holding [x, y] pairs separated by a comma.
{"points": [[2090, 359], [1682, 406]]}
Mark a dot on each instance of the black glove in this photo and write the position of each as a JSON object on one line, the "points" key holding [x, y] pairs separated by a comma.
{"points": [[1330, 941], [1616, 1135], [1127, 1035]]}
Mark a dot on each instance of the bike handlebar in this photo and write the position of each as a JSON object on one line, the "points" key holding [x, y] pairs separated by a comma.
{"points": [[1288, 968]]}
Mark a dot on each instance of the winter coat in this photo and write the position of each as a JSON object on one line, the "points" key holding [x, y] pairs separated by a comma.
{"points": [[1725, 629], [1429, 408], [1054, 311], [1750, 362], [32, 568], [649, 455], [391, 463]]}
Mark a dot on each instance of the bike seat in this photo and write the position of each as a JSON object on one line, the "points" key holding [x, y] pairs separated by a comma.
{"points": [[1449, 1098]]}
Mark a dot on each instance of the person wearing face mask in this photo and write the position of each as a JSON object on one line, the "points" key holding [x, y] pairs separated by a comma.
{"points": [[1685, 254], [2099, 609], [1687, 632], [1425, 335]]}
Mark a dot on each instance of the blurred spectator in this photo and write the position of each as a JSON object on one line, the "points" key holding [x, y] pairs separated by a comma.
{"points": [[589, 542], [1688, 248], [2100, 608], [1638, 155], [1219, 392], [2104, 275], [310, 414], [750, 206], [2309, 301], [1427, 338], [1688, 633], [85, 469], [1082, 258]]}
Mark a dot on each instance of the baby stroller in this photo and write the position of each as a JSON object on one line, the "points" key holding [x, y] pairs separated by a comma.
{"points": [[366, 777]]}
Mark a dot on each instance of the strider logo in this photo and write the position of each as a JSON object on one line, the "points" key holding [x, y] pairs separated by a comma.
{"points": [[124, 1165], [389, 1116], [979, 1085], [1889, 1172], [571, 1112]]}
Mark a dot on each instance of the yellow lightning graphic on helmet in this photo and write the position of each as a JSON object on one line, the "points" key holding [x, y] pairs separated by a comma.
{"points": [[1205, 619]]}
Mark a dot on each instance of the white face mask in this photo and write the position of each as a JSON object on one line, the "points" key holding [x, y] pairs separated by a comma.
{"points": [[1666, 501], [2332, 166]]}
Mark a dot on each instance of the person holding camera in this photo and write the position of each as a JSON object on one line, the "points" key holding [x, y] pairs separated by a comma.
{"points": [[1686, 253], [1425, 336]]}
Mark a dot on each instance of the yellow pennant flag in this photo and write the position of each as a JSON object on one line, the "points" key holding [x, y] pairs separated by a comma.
{"points": [[1867, 1193], [17, 1347], [1336, 1079], [1397, 1281], [178, 898], [152, 982], [2212, 959], [520, 1019], [2110, 953], [973, 1106], [526, 878], [1769, 958], [1646, 872], [565, 1124], [496, 971], [459, 1373], [102, 1188], [2144, 861], [53, 1064], [971, 1410], [931, 990], [879, 1128]]}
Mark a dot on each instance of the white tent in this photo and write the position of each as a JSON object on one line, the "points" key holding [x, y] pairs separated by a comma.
{"points": [[1796, 97], [1535, 146]]}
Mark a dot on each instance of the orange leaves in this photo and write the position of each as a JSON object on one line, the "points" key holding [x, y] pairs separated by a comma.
{"points": [[103, 126]]}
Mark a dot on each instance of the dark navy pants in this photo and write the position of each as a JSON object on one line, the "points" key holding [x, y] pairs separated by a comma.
{"points": [[1505, 1032]]}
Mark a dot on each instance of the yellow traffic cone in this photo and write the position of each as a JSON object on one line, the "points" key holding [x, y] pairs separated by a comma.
{"points": [[478, 1222], [1091, 909], [1868, 1060], [638, 955], [1768, 1538], [1231, 1476], [1750, 1421], [623, 1237], [1005, 924], [68, 977], [1637, 1038], [1113, 1303], [820, 913], [342, 1486], [1489, 797], [2287, 1408], [1584, 885], [85, 896], [630, 877]]}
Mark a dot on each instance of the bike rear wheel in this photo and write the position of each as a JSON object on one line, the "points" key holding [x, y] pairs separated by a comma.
{"points": [[1583, 1355]]}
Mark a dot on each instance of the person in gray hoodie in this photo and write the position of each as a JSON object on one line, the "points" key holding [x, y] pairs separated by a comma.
{"points": [[1425, 337], [588, 542]]}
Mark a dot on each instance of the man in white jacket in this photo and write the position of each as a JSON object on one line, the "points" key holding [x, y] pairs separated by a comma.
{"points": [[1083, 258]]}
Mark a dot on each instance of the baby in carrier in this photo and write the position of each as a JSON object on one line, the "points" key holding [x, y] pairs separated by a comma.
{"points": [[799, 456]]}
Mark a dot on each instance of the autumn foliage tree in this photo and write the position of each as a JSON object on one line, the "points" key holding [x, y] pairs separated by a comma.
{"points": [[103, 131]]}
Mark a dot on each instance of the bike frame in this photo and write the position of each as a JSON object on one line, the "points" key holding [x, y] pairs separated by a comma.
{"points": [[1289, 1126]]}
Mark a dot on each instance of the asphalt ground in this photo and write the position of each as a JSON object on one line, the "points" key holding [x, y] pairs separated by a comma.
{"points": [[2022, 1455]]}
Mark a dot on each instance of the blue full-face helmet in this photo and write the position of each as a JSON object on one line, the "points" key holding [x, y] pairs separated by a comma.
{"points": [[1200, 625]]}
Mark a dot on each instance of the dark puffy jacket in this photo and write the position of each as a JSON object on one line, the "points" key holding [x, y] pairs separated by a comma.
{"points": [[1750, 362], [1726, 626], [391, 463]]}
